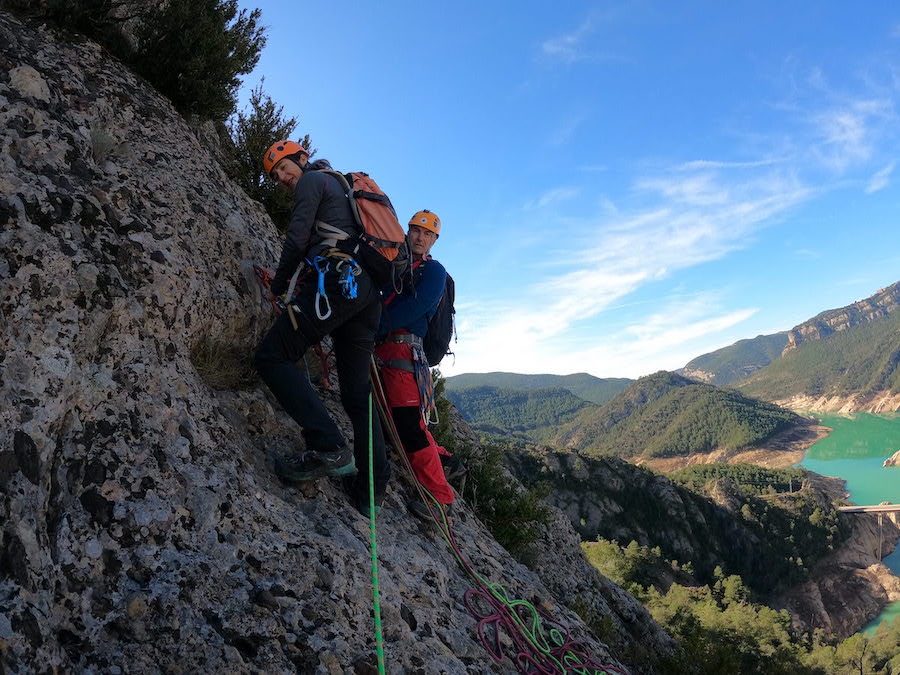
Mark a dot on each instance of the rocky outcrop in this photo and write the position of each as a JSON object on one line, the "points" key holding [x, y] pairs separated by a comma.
{"points": [[607, 497], [141, 526], [893, 460], [879, 305], [878, 403], [849, 588]]}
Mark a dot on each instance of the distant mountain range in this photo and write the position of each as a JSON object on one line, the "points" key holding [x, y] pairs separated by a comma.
{"points": [[818, 373], [582, 385], [662, 415], [842, 359], [736, 361], [855, 368]]}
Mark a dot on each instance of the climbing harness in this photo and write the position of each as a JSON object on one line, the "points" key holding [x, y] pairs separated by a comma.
{"points": [[264, 277], [417, 364], [540, 644]]}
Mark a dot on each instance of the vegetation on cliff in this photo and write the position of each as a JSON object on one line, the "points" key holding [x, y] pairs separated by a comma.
{"points": [[720, 630], [799, 524], [192, 51], [768, 526], [514, 516]]}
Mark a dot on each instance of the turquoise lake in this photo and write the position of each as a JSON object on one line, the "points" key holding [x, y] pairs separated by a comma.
{"points": [[855, 451]]}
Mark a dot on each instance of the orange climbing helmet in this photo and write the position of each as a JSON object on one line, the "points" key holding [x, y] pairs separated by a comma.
{"points": [[278, 151], [427, 221]]}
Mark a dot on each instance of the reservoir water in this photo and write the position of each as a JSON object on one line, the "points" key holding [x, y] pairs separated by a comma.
{"points": [[855, 451]]}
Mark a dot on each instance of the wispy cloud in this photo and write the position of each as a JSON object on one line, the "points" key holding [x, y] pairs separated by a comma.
{"points": [[566, 130], [667, 339], [695, 218], [569, 47], [845, 134], [553, 196], [699, 164], [881, 179], [690, 213]]}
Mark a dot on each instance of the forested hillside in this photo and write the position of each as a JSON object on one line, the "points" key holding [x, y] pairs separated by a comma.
{"points": [[667, 415], [582, 385], [736, 361], [864, 360], [531, 413]]}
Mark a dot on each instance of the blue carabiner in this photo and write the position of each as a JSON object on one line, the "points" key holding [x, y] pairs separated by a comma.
{"points": [[349, 270], [321, 266]]}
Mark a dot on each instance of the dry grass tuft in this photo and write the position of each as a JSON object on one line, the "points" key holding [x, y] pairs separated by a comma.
{"points": [[224, 360]]}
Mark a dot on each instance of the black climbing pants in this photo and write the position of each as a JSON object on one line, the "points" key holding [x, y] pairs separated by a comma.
{"points": [[352, 325]]}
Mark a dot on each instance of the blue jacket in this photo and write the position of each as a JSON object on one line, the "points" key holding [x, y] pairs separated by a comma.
{"points": [[412, 309]]}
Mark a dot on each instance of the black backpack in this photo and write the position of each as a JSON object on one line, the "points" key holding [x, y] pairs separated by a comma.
{"points": [[436, 343]]}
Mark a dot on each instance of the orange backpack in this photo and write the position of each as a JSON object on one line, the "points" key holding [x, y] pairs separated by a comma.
{"points": [[381, 248]]}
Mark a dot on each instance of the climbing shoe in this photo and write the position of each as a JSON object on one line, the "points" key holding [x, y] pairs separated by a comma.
{"points": [[362, 505], [311, 464], [421, 511]]}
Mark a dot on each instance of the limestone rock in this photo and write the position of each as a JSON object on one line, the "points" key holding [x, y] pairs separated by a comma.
{"points": [[140, 519]]}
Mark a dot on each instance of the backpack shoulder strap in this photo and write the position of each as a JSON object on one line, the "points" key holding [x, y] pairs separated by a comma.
{"points": [[330, 231]]}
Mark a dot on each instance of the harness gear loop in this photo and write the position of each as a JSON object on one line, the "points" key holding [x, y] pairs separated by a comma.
{"points": [[321, 266]]}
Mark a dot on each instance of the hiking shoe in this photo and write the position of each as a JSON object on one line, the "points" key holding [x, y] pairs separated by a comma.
{"points": [[454, 468], [311, 464]]}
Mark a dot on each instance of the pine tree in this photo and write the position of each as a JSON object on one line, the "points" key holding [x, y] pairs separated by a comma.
{"points": [[252, 132]]}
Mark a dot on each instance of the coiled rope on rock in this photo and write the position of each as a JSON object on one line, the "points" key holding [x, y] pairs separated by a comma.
{"points": [[507, 628]]}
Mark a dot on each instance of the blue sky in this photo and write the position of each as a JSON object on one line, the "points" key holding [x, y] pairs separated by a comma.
{"points": [[623, 185]]}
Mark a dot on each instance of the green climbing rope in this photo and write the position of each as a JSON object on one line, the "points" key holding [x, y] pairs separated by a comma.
{"points": [[376, 597]]}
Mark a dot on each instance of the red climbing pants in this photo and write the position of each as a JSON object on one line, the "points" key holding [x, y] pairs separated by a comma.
{"points": [[402, 394]]}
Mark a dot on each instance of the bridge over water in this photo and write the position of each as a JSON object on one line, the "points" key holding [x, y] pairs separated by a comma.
{"points": [[881, 509], [878, 508]]}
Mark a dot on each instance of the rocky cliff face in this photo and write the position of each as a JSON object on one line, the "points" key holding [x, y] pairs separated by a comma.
{"points": [[849, 588], [141, 526], [877, 306], [878, 403], [844, 591], [610, 498]]}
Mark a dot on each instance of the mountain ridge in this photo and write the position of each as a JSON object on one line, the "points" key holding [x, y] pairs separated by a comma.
{"points": [[740, 362]]}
